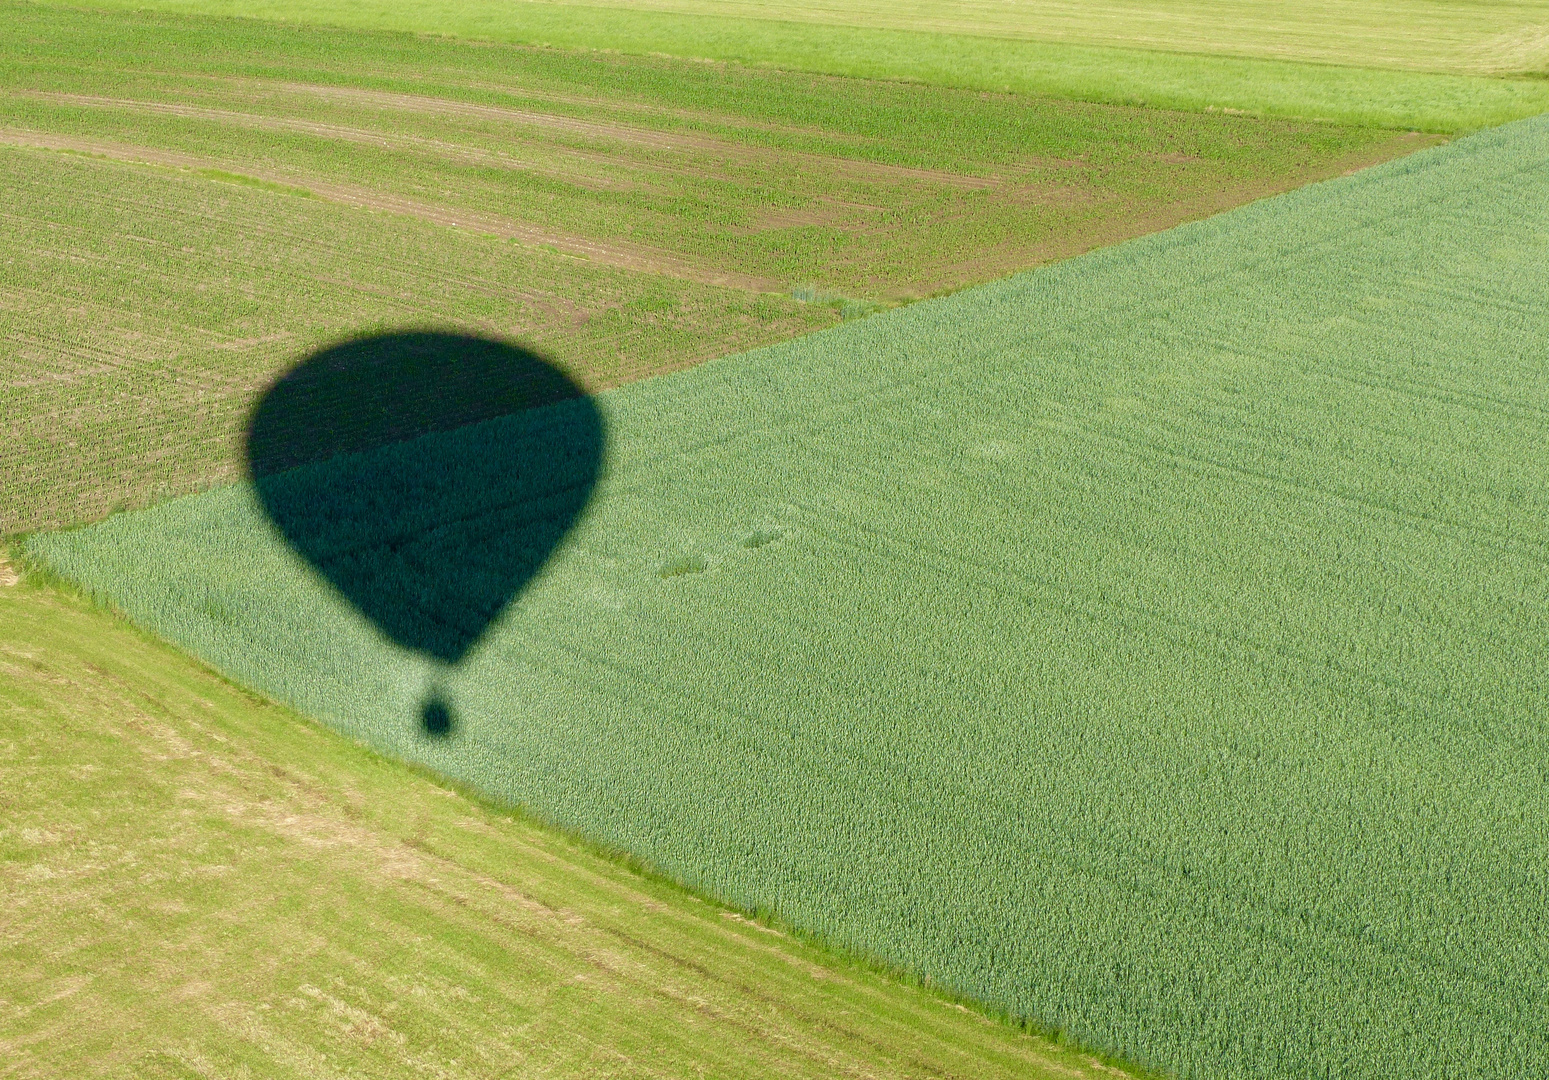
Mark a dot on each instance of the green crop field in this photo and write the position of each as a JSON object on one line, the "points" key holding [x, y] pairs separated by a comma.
{"points": [[197, 883], [194, 204], [1433, 65], [1149, 645]]}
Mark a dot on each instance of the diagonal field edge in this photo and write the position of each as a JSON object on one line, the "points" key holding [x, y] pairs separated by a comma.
{"points": [[1149, 645]]}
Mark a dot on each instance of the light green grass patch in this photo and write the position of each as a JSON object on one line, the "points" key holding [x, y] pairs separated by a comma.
{"points": [[1102, 67], [623, 215], [1494, 37], [253, 181]]}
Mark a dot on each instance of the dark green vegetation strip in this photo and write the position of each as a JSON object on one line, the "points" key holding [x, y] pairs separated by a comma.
{"points": [[1267, 76], [197, 883], [623, 216], [1150, 645]]}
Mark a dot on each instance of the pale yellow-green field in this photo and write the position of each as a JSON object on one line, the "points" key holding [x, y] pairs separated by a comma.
{"points": [[1422, 35]]}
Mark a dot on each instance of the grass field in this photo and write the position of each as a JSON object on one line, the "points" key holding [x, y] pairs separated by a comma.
{"points": [[256, 192], [1424, 64], [1148, 645], [213, 887], [1491, 37]]}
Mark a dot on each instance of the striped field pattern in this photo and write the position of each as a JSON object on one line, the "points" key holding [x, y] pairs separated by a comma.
{"points": [[1151, 646]]}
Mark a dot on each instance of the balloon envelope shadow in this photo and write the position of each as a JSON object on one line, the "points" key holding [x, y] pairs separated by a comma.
{"points": [[428, 477]]}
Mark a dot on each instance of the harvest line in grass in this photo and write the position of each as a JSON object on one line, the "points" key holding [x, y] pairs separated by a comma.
{"points": [[431, 106], [622, 255]]}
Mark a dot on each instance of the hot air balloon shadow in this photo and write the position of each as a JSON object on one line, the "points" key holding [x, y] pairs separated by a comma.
{"points": [[427, 477]]}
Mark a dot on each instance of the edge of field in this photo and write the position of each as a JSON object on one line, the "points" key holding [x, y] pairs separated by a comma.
{"points": [[24, 570], [1302, 90]]}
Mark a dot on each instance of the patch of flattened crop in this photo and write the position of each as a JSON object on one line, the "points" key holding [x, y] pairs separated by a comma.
{"points": [[682, 566]]}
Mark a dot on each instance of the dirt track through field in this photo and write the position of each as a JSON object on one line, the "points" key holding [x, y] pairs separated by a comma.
{"points": [[624, 256]]}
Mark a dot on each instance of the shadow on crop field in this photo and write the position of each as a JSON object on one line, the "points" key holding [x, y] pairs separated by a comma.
{"points": [[428, 477]]}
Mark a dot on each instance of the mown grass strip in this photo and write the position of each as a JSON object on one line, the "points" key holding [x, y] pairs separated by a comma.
{"points": [[1500, 37]]}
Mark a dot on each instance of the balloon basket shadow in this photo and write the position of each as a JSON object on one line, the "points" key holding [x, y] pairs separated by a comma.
{"points": [[436, 719], [427, 477]]}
